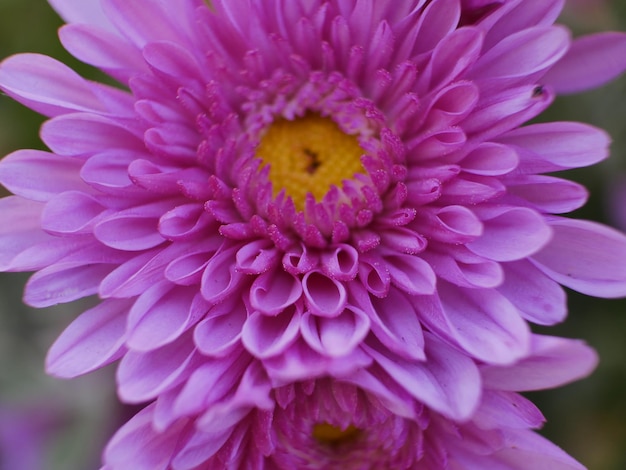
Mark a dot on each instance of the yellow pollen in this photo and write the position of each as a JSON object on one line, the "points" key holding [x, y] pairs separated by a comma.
{"points": [[333, 435], [308, 155]]}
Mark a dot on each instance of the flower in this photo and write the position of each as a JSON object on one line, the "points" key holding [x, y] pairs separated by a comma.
{"points": [[323, 186], [351, 423]]}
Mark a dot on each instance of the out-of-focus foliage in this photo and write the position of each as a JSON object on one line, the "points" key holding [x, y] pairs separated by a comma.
{"points": [[588, 418]]}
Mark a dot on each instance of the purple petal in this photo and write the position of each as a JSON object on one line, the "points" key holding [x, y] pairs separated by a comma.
{"points": [[273, 291], [538, 298], [336, 336], [552, 362], [266, 336], [38, 175], [511, 234], [160, 315], [93, 340], [585, 256], [547, 193], [481, 321], [411, 274], [219, 333], [447, 382], [324, 296], [591, 61], [143, 376], [47, 86]]}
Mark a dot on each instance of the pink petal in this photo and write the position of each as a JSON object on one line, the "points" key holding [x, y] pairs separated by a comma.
{"points": [[64, 282], [555, 146], [336, 336], [143, 376], [585, 256], [538, 298], [38, 175], [93, 340], [219, 333], [71, 212], [325, 296], [266, 336], [511, 234], [481, 321], [411, 274], [490, 159], [547, 193], [47, 86], [220, 277], [102, 49], [19, 231], [447, 382], [273, 291], [160, 315], [591, 61], [552, 362]]}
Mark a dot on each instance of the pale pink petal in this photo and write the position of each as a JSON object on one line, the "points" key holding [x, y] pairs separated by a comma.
{"points": [[93, 340], [592, 61], [585, 256]]}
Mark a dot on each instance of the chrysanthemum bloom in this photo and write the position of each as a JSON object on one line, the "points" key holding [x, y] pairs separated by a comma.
{"points": [[304, 180], [353, 423]]}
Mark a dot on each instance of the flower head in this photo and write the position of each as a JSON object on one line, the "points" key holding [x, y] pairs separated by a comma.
{"points": [[324, 187], [331, 423]]}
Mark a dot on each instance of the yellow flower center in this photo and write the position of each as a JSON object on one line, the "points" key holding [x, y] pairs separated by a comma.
{"points": [[308, 155], [333, 435]]}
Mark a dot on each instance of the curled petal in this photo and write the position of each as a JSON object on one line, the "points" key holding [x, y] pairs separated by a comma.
{"points": [[324, 296], [341, 263], [336, 336], [411, 274], [265, 336], [220, 332], [257, 257], [220, 277], [273, 291]]}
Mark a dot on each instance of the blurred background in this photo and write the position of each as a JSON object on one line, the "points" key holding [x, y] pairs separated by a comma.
{"points": [[50, 424]]}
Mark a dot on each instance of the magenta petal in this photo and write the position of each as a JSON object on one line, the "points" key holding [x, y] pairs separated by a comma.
{"points": [[71, 212], [511, 234], [394, 321], [591, 61], [143, 376], [538, 298], [136, 442], [273, 291], [20, 230], [324, 296], [585, 256], [266, 336], [336, 336], [47, 86], [93, 340], [220, 332], [80, 134], [555, 146], [160, 315], [341, 263], [524, 450], [64, 282], [507, 409], [220, 277], [257, 257], [38, 175], [481, 321], [552, 362], [490, 159], [447, 382], [411, 274], [547, 193]]}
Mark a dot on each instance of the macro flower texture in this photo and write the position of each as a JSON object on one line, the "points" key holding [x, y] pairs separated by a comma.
{"points": [[318, 231]]}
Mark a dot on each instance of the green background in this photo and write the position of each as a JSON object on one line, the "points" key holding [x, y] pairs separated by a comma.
{"points": [[587, 419]]}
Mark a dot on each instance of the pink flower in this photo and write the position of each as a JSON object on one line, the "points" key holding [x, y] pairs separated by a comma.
{"points": [[321, 188], [351, 423]]}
